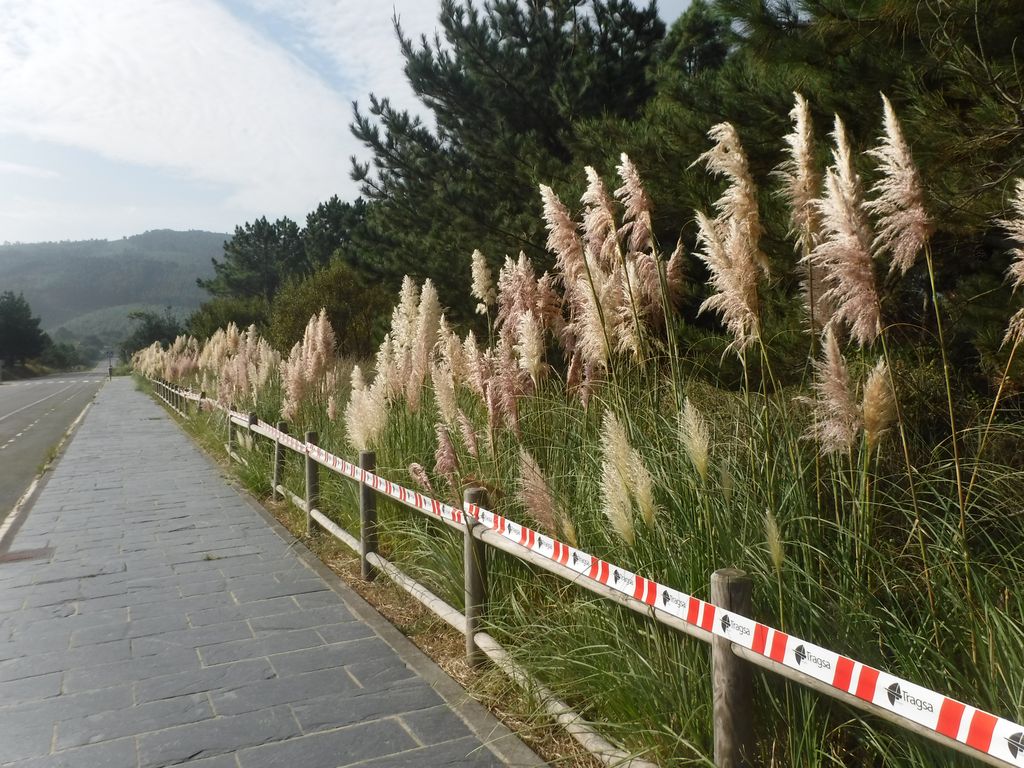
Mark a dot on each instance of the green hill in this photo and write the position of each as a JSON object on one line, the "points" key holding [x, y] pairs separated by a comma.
{"points": [[85, 289]]}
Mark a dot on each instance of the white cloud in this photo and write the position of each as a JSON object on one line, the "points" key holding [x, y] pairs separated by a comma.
{"points": [[32, 171], [183, 95], [358, 36], [179, 85]]}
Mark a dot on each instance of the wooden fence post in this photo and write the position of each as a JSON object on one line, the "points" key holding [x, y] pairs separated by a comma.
{"points": [[253, 421], [367, 516], [199, 404], [277, 477], [312, 483], [475, 572], [732, 681], [231, 430]]}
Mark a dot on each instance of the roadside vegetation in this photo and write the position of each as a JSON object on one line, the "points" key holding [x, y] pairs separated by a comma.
{"points": [[848, 461], [759, 329], [25, 349]]}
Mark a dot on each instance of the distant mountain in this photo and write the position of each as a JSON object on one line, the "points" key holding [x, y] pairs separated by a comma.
{"points": [[87, 287]]}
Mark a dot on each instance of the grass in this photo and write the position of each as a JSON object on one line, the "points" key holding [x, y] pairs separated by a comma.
{"points": [[850, 578], [843, 551], [900, 548]]}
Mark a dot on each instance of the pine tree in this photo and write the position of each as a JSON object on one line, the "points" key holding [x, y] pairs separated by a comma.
{"points": [[257, 259], [20, 335], [506, 86]]}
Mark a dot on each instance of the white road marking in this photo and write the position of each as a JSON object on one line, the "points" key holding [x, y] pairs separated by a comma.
{"points": [[20, 506], [37, 402], [29, 427]]}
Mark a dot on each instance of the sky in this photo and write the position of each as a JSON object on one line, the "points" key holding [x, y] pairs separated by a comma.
{"points": [[121, 116]]}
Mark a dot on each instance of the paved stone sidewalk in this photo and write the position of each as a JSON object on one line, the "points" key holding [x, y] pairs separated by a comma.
{"points": [[152, 616]]}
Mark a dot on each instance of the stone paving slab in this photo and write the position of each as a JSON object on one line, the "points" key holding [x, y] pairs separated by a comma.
{"points": [[151, 615]]}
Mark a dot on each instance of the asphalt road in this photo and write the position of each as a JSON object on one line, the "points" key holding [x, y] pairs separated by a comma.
{"points": [[34, 414]]}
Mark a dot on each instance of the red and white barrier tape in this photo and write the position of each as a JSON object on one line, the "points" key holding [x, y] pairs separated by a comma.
{"points": [[995, 736], [399, 493]]}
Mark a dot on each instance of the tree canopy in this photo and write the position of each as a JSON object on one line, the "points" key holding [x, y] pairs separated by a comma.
{"points": [[21, 337], [355, 306], [150, 327], [257, 259], [515, 93], [506, 86]]}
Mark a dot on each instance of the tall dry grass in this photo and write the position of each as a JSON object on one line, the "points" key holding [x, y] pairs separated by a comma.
{"points": [[865, 526]]}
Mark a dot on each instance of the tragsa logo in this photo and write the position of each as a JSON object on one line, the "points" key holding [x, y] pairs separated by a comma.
{"points": [[617, 576], [728, 625], [801, 654], [668, 599], [1015, 744], [894, 693]]}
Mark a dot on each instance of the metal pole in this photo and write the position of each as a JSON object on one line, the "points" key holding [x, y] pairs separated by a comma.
{"points": [[276, 478], [367, 517], [475, 581], [732, 680], [312, 484]]}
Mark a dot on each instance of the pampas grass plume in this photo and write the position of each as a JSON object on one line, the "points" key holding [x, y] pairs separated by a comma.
{"points": [[446, 463], [1015, 229], [563, 239], [801, 181], [731, 248], [836, 417], [616, 456], [428, 320], [738, 202], [419, 476], [468, 432], [734, 278], [444, 393], [844, 253], [529, 346], [477, 370], [903, 225], [638, 206], [366, 413], [642, 483], [696, 437], [483, 284], [598, 222], [615, 498], [592, 337], [535, 495], [879, 405]]}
